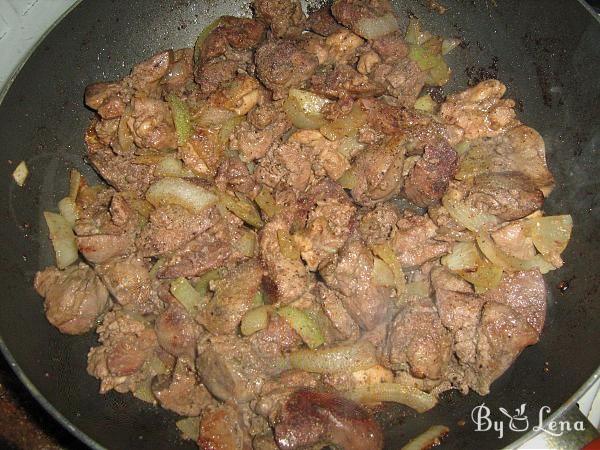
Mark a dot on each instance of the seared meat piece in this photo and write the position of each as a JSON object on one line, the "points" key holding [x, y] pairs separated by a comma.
{"points": [[233, 369], [278, 337], [265, 126], [145, 76], [285, 17], [525, 293], [213, 248], [428, 180], [507, 195], [520, 149], [480, 111], [322, 22], [342, 47], [117, 170], [181, 70], [378, 171], [126, 343], [342, 81], [74, 298], [334, 309], [151, 123], [128, 281], [232, 33], [351, 12], [106, 231], [388, 119], [402, 79], [177, 331], [285, 165], [288, 278], [324, 156], [171, 226], [214, 73], [351, 274], [310, 418], [281, 64], [109, 99], [391, 47], [233, 175], [378, 224], [223, 428], [234, 296], [414, 240], [328, 224], [417, 341], [513, 239], [181, 391]]}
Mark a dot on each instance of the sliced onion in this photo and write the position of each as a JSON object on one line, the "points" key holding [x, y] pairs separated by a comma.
{"points": [[68, 209], [423, 57], [255, 320], [304, 325], [189, 427], [304, 109], [464, 256], [346, 126], [181, 118], [172, 167], [349, 146], [487, 276], [242, 208], [391, 392], [156, 267], [375, 27], [429, 439], [505, 261], [20, 173], [143, 391], [346, 357], [203, 282], [550, 235], [382, 274], [348, 179], [227, 129], [213, 117], [189, 297], [286, 245], [63, 239], [468, 217], [439, 74], [418, 288], [266, 203], [387, 255], [414, 33], [180, 192], [449, 44], [246, 244], [75, 181], [425, 104]]}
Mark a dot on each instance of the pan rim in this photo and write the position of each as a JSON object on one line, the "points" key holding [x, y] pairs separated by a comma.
{"points": [[92, 443]]}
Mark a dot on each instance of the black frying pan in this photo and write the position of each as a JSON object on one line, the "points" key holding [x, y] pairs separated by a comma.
{"points": [[548, 52]]}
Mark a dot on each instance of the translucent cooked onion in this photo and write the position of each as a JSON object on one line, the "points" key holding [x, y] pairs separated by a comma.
{"points": [[266, 203], [227, 129], [303, 108], [255, 320], [382, 274], [189, 427], [68, 210], [425, 104], [20, 173], [304, 325], [203, 282], [202, 37], [414, 33], [468, 217], [348, 179], [464, 256], [181, 118], [213, 117], [550, 235], [172, 167], [75, 181], [423, 57], [242, 208], [346, 126], [375, 27], [180, 192], [505, 261], [391, 392], [467, 261], [388, 256], [429, 439], [346, 357], [449, 44], [143, 391], [487, 276], [349, 146], [63, 239], [189, 297], [439, 74], [246, 244], [286, 245]]}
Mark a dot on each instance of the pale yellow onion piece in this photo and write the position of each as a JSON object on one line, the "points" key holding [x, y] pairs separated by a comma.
{"points": [[172, 167], [259, 299], [304, 109], [414, 33], [449, 44], [20, 173], [387, 254], [266, 203], [501, 259], [156, 267], [189, 297], [349, 146], [345, 357], [550, 235], [346, 126], [242, 208], [227, 129], [418, 288], [180, 192], [348, 179], [63, 239], [468, 217], [143, 391], [189, 427], [304, 325], [211, 117], [487, 276], [203, 282], [439, 74], [464, 256], [382, 274], [462, 147], [68, 209], [75, 179], [375, 27], [255, 320], [429, 439], [426, 104], [286, 245], [391, 392], [246, 244]]}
